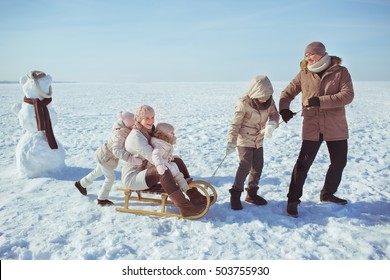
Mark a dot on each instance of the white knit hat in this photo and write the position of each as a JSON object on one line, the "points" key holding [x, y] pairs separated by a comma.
{"points": [[163, 131], [164, 128]]}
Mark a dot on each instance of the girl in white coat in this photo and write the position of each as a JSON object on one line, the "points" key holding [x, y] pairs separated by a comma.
{"points": [[162, 142], [107, 157]]}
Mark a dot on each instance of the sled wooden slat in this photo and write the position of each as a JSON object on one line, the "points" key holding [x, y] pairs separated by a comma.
{"points": [[163, 200], [146, 212]]}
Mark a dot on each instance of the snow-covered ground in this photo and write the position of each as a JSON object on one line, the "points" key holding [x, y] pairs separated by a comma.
{"points": [[47, 218]]}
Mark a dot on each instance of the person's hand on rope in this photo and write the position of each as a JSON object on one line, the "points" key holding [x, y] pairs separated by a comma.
{"points": [[269, 129], [230, 148], [286, 114]]}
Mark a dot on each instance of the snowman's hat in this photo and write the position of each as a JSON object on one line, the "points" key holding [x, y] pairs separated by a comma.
{"points": [[35, 76]]}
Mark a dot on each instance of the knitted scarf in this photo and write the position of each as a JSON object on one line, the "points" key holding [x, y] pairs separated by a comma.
{"points": [[321, 64], [43, 118]]}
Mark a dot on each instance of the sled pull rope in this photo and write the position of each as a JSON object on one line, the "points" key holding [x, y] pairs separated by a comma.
{"points": [[215, 172]]}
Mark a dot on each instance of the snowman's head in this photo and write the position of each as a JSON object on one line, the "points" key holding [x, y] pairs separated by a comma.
{"points": [[36, 84]]}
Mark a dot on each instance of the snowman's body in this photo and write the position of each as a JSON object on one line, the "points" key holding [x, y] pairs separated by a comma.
{"points": [[34, 156]]}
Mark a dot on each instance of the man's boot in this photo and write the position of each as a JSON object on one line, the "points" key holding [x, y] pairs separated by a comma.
{"points": [[253, 197], [235, 199], [334, 199]]}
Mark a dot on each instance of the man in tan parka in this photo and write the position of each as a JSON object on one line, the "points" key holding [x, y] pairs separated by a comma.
{"points": [[326, 88], [255, 117]]}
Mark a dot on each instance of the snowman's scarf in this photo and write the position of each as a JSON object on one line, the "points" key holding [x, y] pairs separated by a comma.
{"points": [[43, 118]]}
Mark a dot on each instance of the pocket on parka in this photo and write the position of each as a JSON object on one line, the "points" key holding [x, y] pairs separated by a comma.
{"points": [[309, 112]]}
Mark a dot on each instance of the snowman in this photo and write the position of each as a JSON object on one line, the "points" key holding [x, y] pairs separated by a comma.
{"points": [[38, 152]]}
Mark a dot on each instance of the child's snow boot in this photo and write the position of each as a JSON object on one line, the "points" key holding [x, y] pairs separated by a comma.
{"points": [[81, 189], [105, 202], [235, 201], [253, 197]]}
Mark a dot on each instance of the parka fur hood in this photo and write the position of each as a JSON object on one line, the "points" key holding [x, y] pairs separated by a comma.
{"points": [[248, 122], [260, 87]]}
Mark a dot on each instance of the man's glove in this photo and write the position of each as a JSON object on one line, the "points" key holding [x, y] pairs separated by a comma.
{"points": [[287, 115], [230, 148], [313, 102]]}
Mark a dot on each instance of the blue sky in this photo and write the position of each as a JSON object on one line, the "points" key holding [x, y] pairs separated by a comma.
{"points": [[189, 40]]}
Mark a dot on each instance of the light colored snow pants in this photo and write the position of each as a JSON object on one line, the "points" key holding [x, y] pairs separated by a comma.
{"points": [[178, 176], [109, 180]]}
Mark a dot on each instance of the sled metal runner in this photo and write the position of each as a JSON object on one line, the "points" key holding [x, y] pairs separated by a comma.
{"points": [[158, 196]]}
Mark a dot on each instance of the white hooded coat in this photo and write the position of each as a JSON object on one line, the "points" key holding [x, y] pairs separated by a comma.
{"points": [[133, 176], [110, 152], [248, 122]]}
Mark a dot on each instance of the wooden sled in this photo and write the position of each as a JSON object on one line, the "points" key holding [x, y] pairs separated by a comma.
{"points": [[149, 195]]}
